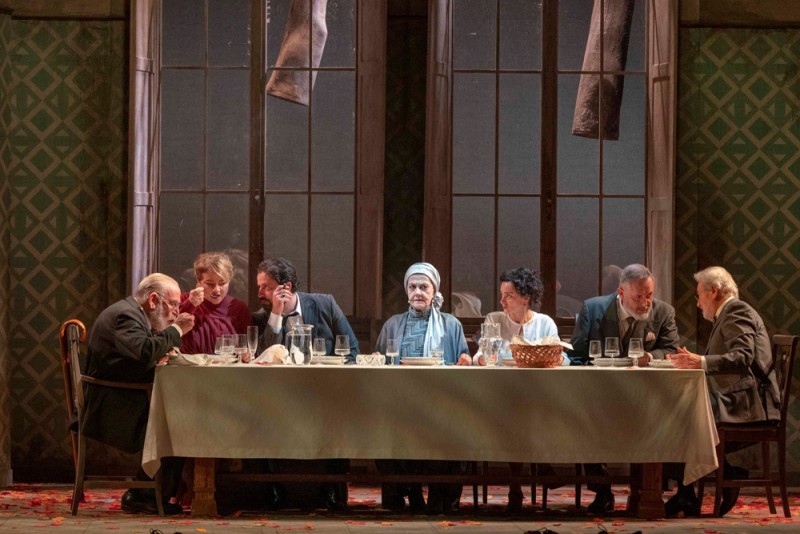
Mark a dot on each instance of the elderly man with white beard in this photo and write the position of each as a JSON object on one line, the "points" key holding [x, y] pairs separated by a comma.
{"points": [[127, 340], [631, 312]]}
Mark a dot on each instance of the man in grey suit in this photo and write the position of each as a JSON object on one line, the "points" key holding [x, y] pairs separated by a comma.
{"points": [[738, 363], [631, 312], [277, 291], [127, 340]]}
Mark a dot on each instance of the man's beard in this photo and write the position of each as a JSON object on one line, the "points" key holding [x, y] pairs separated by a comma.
{"points": [[267, 306], [639, 316], [158, 319]]}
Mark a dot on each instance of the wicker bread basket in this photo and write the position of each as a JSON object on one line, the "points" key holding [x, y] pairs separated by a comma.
{"points": [[537, 355]]}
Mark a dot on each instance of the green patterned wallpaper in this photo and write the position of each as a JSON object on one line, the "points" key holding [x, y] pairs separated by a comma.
{"points": [[738, 178], [5, 155], [67, 215]]}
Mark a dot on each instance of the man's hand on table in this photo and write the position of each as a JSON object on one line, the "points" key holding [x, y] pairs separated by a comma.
{"points": [[684, 359]]}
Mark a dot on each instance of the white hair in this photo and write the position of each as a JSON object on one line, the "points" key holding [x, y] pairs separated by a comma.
{"points": [[718, 277], [154, 283]]}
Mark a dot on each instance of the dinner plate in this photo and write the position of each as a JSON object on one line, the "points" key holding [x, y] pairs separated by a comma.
{"points": [[662, 364], [506, 362], [603, 362], [421, 361], [328, 360], [622, 362]]}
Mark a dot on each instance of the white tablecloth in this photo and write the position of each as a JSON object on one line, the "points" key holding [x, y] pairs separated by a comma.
{"points": [[562, 415]]}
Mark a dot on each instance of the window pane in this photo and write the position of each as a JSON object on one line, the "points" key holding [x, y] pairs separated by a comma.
{"points": [[519, 133], [623, 159], [177, 247], [332, 245], [638, 40], [184, 35], [228, 32], [228, 231], [574, 19], [474, 34], [228, 129], [340, 47], [577, 253], [287, 145], [623, 231], [518, 233], [278, 13], [333, 136], [577, 156], [473, 133], [520, 34], [286, 231], [182, 127], [473, 256]]}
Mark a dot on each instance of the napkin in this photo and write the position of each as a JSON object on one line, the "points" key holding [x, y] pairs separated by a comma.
{"points": [[275, 354], [547, 341], [177, 358]]}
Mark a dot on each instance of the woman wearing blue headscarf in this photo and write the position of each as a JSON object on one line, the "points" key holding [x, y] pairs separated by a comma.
{"points": [[421, 327], [424, 325]]}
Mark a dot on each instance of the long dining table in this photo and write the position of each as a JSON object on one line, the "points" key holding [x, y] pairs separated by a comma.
{"points": [[564, 415]]}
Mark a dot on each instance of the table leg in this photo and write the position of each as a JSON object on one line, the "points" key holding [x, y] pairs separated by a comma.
{"points": [[646, 501], [204, 503]]}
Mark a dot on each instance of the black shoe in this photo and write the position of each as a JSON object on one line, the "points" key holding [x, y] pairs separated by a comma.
{"points": [[683, 504], [138, 503], [332, 500], [547, 470], [416, 502], [603, 503], [731, 495], [514, 503]]}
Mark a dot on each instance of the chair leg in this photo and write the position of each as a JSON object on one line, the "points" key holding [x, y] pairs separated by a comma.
{"points": [[782, 475], [77, 490], [578, 472], [767, 468], [544, 497], [485, 486], [533, 484], [474, 466], [720, 476], [159, 495]]}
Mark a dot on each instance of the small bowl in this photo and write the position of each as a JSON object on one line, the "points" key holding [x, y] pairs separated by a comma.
{"points": [[370, 360]]}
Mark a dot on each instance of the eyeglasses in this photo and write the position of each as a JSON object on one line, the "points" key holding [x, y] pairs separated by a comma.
{"points": [[171, 303]]}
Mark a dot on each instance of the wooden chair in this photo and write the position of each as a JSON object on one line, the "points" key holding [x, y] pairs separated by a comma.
{"points": [[566, 325], [784, 348], [366, 331], [71, 335]]}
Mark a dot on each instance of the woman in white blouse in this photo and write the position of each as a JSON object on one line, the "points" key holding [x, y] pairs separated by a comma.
{"points": [[520, 289]]}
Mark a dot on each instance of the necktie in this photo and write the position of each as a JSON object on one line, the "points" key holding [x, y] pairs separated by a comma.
{"points": [[628, 334]]}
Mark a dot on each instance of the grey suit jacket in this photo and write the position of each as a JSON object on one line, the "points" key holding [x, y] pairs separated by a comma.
{"points": [[318, 309], [122, 347], [741, 378], [599, 319]]}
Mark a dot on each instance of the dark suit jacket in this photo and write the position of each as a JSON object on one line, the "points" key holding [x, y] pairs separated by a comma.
{"points": [[741, 378], [599, 319], [122, 347], [319, 310]]}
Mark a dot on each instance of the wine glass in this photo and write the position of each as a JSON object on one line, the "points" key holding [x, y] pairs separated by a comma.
{"points": [[612, 347], [252, 340], [240, 348], [392, 350], [635, 350], [595, 350], [342, 347], [319, 348]]}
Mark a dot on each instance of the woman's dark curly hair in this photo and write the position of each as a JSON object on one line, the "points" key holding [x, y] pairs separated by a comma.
{"points": [[527, 283]]}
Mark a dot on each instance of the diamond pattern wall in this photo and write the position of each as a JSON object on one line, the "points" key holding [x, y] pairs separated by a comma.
{"points": [[738, 177], [5, 408], [66, 215]]}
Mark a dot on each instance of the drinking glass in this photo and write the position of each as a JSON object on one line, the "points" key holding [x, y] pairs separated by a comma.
{"points": [[240, 348], [635, 350], [226, 347], [319, 347], [436, 349], [342, 347], [392, 350], [595, 351], [612, 347], [218, 344], [490, 342], [252, 340]]}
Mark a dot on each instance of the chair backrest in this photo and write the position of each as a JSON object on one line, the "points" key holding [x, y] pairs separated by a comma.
{"points": [[71, 335], [472, 331], [364, 330], [565, 325], [784, 351]]}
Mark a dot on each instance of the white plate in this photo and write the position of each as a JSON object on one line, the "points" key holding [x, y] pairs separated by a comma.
{"points": [[506, 362], [328, 360], [662, 364], [622, 362], [421, 361], [603, 362]]}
